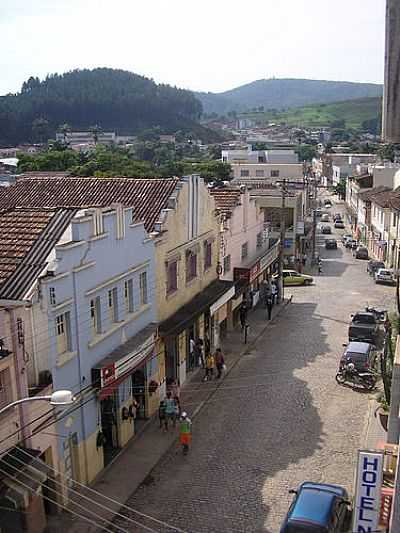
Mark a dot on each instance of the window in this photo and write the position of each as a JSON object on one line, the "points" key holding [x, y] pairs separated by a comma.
{"points": [[63, 333], [52, 296], [274, 173], [172, 277], [244, 250], [244, 173], [143, 288], [113, 305], [95, 315], [227, 263], [5, 388], [394, 220], [207, 255], [259, 173], [191, 266], [128, 296], [259, 240]]}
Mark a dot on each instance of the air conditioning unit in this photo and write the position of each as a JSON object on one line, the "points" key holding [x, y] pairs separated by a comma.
{"points": [[45, 378]]}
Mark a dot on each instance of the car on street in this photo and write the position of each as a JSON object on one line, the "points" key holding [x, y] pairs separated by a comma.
{"points": [[336, 217], [318, 211], [339, 224], [325, 217], [385, 275], [373, 266], [328, 203], [363, 327], [361, 252], [331, 244], [351, 243], [292, 277], [326, 230], [318, 508], [361, 354], [346, 237]]}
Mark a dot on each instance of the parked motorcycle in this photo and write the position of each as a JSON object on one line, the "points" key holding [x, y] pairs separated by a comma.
{"points": [[379, 314], [348, 374]]}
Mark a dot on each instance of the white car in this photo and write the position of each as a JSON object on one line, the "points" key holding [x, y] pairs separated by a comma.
{"points": [[384, 275], [325, 218]]}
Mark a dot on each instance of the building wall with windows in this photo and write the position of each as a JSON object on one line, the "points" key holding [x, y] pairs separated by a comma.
{"points": [[99, 294], [271, 172]]}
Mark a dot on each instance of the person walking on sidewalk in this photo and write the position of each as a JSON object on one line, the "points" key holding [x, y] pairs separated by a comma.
{"points": [[199, 352], [161, 414], [243, 314], [185, 432], [210, 363], [170, 410], [274, 293], [219, 362], [269, 307]]}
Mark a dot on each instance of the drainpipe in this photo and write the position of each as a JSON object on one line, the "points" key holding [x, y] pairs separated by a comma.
{"points": [[17, 339]]}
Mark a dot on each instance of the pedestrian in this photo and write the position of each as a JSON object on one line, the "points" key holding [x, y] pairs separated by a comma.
{"points": [[170, 410], [269, 307], [161, 413], [304, 259], [274, 293], [319, 266], [176, 394], [210, 363], [219, 362], [185, 432], [192, 347], [199, 352], [243, 314], [207, 346]]}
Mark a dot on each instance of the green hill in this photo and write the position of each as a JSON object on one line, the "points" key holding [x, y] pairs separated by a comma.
{"points": [[353, 112], [285, 93], [114, 99]]}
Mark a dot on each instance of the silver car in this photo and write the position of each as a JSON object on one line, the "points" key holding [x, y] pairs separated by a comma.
{"points": [[384, 275]]}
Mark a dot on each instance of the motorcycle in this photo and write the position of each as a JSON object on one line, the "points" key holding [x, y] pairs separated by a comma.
{"points": [[379, 314], [365, 379]]}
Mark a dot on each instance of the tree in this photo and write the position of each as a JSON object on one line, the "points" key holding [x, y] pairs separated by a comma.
{"points": [[306, 152], [40, 129], [387, 152], [340, 189]]}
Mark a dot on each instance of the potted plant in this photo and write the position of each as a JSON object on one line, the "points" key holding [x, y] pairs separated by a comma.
{"points": [[383, 410]]}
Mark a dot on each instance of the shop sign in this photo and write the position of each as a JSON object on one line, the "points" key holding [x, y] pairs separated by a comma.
{"points": [[288, 243], [254, 271], [368, 491], [113, 371], [222, 300], [241, 273], [300, 228], [269, 257]]}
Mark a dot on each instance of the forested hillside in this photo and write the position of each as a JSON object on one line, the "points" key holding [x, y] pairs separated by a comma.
{"points": [[114, 99]]}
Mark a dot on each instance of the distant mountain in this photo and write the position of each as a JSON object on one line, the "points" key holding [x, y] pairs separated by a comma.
{"points": [[285, 93], [113, 99]]}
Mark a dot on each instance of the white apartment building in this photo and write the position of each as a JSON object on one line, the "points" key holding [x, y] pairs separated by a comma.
{"points": [[260, 156]]}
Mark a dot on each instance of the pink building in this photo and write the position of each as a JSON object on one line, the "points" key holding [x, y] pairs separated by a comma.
{"points": [[247, 253]]}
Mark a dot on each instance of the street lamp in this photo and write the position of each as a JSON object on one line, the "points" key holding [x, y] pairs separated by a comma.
{"points": [[58, 397]]}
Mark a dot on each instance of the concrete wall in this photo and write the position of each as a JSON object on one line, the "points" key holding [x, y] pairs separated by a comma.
{"points": [[293, 171], [243, 226], [391, 99]]}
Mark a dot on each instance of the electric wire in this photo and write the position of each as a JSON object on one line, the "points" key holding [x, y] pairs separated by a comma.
{"points": [[129, 519], [59, 505]]}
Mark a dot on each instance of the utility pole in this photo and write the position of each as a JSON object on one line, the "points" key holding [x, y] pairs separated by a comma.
{"points": [[314, 224], [282, 243]]}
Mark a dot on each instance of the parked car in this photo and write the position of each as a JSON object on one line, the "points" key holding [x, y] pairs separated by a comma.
{"points": [[384, 275], [331, 244], [361, 252], [361, 354], [336, 217], [351, 243], [328, 203], [346, 237], [291, 277], [363, 327], [339, 224], [373, 266], [325, 217], [318, 211], [318, 508], [326, 230]]}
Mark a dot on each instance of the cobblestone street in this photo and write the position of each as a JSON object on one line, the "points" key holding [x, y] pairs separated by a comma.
{"points": [[279, 417]]}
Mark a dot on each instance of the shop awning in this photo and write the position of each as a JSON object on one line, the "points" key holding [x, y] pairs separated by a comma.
{"points": [[122, 361], [185, 315]]}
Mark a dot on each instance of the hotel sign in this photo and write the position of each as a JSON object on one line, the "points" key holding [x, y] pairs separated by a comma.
{"points": [[367, 491]]}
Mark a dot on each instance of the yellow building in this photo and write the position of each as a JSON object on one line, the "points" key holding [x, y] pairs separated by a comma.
{"points": [[191, 300]]}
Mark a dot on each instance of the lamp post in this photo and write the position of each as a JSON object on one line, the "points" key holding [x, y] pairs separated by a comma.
{"points": [[60, 397]]}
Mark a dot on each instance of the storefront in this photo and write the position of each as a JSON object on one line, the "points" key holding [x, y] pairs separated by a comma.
{"points": [[221, 313], [194, 320], [127, 381]]}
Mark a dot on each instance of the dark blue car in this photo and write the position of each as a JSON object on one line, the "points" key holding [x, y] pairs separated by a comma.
{"points": [[318, 508]]}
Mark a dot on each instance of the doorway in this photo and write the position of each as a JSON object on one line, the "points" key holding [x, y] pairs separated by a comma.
{"points": [[109, 427], [171, 359]]}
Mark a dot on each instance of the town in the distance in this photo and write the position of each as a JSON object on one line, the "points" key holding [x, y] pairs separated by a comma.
{"points": [[200, 305]]}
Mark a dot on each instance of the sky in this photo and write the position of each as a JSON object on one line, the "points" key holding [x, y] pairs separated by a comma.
{"points": [[208, 45]]}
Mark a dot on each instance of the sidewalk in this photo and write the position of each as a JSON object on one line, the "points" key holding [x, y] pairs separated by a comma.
{"points": [[133, 466]]}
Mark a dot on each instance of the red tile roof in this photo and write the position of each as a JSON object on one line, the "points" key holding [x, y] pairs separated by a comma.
{"points": [[26, 239], [147, 196], [226, 199]]}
